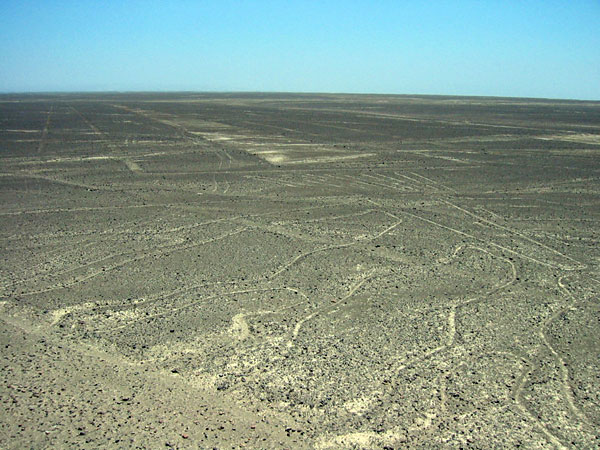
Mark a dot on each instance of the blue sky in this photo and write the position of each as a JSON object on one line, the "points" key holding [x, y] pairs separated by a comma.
{"points": [[500, 48]]}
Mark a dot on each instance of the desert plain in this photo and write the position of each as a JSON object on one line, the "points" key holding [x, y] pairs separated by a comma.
{"points": [[187, 270]]}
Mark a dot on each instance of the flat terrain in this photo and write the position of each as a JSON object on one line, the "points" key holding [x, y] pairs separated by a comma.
{"points": [[299, 271]]}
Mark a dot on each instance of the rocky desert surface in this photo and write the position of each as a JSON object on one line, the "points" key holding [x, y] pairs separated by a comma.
{"points": [[299, 271]]}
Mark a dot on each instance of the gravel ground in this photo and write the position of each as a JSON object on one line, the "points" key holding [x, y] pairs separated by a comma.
{"points": [[299, 271]]}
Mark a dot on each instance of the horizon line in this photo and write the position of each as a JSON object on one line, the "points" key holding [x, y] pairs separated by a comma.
{"points": [[228, 92]]}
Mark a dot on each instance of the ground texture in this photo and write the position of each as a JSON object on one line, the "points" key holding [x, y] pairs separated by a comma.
{"points": [[299, 271]]}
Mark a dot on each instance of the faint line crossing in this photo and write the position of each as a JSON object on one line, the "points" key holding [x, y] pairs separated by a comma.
{"points": [[332, 247], [88, 122], [491, 243], [354, 288], [489, 222], [566, 386], [149, 253], [437, 183], [45, 130]]}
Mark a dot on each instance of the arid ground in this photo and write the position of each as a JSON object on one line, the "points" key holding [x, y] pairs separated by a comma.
{"points": [[299, 271]]}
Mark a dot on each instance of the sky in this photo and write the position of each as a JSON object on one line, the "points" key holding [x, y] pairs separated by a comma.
{"points": [[510, 48]]}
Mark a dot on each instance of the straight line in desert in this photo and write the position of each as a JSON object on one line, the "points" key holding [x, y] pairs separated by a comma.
{"points": [[488, 242], [88, 122], [127, 261], [45, 130], [301, 322], [424, 119], [533, 241]]}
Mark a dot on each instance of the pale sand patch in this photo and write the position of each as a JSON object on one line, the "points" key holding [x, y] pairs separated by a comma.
{"points": [[23, 131], [59, 313], [362, 439], [278, 157], [133, 166], [239, 327], [370, 439], [361, 405], [217, 137], [321, 159], [582, 138]]}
